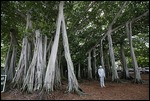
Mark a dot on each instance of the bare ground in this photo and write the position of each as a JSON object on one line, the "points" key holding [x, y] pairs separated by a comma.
{"points": [[113, 91]]}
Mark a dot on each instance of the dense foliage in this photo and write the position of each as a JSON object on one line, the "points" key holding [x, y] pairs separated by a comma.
{"points": [[86, 22]]}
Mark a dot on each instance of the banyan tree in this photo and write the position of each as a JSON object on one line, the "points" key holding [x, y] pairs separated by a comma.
{"points": [[38, 74], [49, 78], [10, 62], [92, 27]]}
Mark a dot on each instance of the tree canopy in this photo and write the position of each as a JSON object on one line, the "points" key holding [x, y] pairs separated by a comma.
{"points": [[86, 23]]}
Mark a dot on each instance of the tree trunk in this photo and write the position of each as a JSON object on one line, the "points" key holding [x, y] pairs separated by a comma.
{"points": [[50, 72], [101, 54], [48, 50], [108, 68], [7, 61], [134, 62], [11, 71], [39, 65], [79, 73], [44, 57], [10, 63], [72, 81], [57, 79], [84, 72], [25, 57], [62, 72], [114, 71], [89, 66], [23, 64], [34, 77], [124, 62], [95, 67]]}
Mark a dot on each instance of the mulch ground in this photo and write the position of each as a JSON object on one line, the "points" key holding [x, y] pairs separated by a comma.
{"points": [[127, 90]]}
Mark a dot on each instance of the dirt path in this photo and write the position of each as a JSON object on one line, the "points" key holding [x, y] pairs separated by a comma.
{"points": [[112, 91]]}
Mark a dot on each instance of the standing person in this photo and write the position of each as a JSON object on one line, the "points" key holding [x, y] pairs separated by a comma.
{"points": [[101, 74]]}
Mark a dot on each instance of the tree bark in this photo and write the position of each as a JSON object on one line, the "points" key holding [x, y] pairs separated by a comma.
{"points": [[114, 71], [95, 67], [89, 66], [73, 85], [50, 72], [101, 54], [134, 62], [44, 57], [23, 64], [10, 63], [39, 65], [124, 62], [33, 79], [25, 57], [48, 50], [108, 68], [57, 79]]}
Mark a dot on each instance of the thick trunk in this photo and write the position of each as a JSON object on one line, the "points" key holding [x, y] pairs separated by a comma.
{"points": [[23, 64], [11, 71], [134, 62], [108, 68], [89, 66], [29, 79], [101, 54], [25, 59], [39, 64], [95, 67], [50, 72], [57, 80], [7, 61], [72, 81], [44, 57], [114, 71], [75, 70], [10, 63], [124, 62], [34, 77]]}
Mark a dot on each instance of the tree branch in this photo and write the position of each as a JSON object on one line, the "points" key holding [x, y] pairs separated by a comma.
{"points": [[110, 26], [83, 18], [21, 15], [144, 14], [117, 15]]}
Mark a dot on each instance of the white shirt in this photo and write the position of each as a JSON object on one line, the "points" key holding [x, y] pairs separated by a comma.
{"points": [[101, 72]]}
